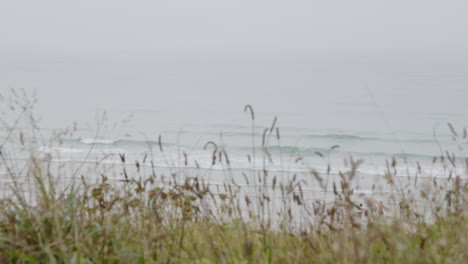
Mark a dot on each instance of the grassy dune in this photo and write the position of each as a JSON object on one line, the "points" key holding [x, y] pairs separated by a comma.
{"points": [[145, 218]]}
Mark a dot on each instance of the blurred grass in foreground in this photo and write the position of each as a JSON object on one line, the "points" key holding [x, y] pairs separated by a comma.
{"points": [[146, 218]]}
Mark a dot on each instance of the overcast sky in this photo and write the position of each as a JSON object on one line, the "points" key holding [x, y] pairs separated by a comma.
{"points": [[334, 27], [400, 49]]}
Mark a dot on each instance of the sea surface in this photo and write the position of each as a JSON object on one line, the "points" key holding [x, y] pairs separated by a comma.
{"points": [[327, 110]]}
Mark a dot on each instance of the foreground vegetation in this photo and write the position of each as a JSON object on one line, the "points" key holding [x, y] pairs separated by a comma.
{"points": [[146, 218]]}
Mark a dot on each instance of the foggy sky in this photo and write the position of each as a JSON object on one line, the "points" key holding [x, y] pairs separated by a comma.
{"points": [[377, 28]]}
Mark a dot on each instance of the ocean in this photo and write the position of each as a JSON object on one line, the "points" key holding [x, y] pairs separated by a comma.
{"points": [[327, 110]]}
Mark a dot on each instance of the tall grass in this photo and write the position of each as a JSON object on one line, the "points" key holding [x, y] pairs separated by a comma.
{"points": [[166, 216]]}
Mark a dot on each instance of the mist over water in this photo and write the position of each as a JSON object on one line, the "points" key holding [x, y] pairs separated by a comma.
{"points": [[370, 112], [379, 84]]}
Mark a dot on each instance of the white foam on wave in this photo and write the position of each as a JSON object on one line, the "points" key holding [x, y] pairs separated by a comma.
{"points": [[90, 141], [64, 150], [60, 150], [204, 161]]}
